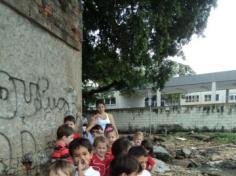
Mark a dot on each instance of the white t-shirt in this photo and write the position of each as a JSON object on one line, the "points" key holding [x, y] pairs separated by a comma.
{"points": [[91, 172], [145, 173]]}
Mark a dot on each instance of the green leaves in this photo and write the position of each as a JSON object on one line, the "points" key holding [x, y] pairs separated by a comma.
{"points": [[127, 43]]}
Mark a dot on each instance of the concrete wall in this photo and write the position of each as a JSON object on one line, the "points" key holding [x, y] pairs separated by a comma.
{"points": [[189, 117], [40, 82]]}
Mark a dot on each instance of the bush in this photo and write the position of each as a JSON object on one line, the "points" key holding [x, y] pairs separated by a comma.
{"points": [[205, 129]]}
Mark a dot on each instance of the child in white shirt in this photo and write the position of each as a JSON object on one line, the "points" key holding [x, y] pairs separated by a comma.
{"points": [[141, 155], [81, 151]]}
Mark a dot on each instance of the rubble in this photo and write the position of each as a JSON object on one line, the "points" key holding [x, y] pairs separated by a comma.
{"points": [[185, 156]]}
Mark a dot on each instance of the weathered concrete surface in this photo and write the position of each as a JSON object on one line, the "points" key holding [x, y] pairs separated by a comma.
{"points": [[40, 82], [61, 17]]}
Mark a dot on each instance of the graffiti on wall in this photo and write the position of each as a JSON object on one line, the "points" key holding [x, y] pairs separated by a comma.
{"points": [[21, 99], [26, 99], [31, 158]]}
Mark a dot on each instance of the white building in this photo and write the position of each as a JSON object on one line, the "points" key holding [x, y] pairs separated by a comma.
{"points": [[211, 88]]}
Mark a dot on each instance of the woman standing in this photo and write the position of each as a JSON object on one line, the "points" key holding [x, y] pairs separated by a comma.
{"points": [[101, 117]]}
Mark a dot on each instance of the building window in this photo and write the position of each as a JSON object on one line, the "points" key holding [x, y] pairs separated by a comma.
{"points": [[190, 99], [113, 100], [107, 101], [187, 99], [193, 98], [217, 97], [110, 101], [207, 97], [197, 98], [146, 102], [231, 97], [154, 101]]}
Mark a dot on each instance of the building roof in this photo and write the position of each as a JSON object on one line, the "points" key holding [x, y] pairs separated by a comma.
{"points": [[201, 82]]}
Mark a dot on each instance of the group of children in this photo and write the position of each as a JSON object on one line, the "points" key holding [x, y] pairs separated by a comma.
{"points": [[99, 153]]}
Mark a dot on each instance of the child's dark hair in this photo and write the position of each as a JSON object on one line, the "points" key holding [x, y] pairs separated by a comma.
{"points": [[96, 127], [69, 118], [77, 143], [98, 139], [124, 164], [120, 146], [147, 144], [64, 130], [100, 101], [137, 151]]}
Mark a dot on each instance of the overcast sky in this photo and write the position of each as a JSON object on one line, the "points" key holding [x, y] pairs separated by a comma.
{"points": [[217, 51]]}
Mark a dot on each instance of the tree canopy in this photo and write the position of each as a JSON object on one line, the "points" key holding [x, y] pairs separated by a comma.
{"points": [[127, 43]]}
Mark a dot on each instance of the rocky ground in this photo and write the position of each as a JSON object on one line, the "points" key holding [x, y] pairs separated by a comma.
{"points": [[190, 154]]}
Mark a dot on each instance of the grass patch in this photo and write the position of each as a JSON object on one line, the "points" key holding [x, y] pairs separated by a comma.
{"points": [[217, 137], [224, 138]]}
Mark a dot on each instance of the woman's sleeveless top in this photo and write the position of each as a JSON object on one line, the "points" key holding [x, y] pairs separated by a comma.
{"points": [[103, 122]]}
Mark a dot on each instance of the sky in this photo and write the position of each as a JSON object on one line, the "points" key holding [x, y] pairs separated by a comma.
{"points": [[217, 50]]}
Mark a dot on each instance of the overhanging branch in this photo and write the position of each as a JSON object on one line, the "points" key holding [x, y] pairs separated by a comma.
{"points": [[100, 89]]}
